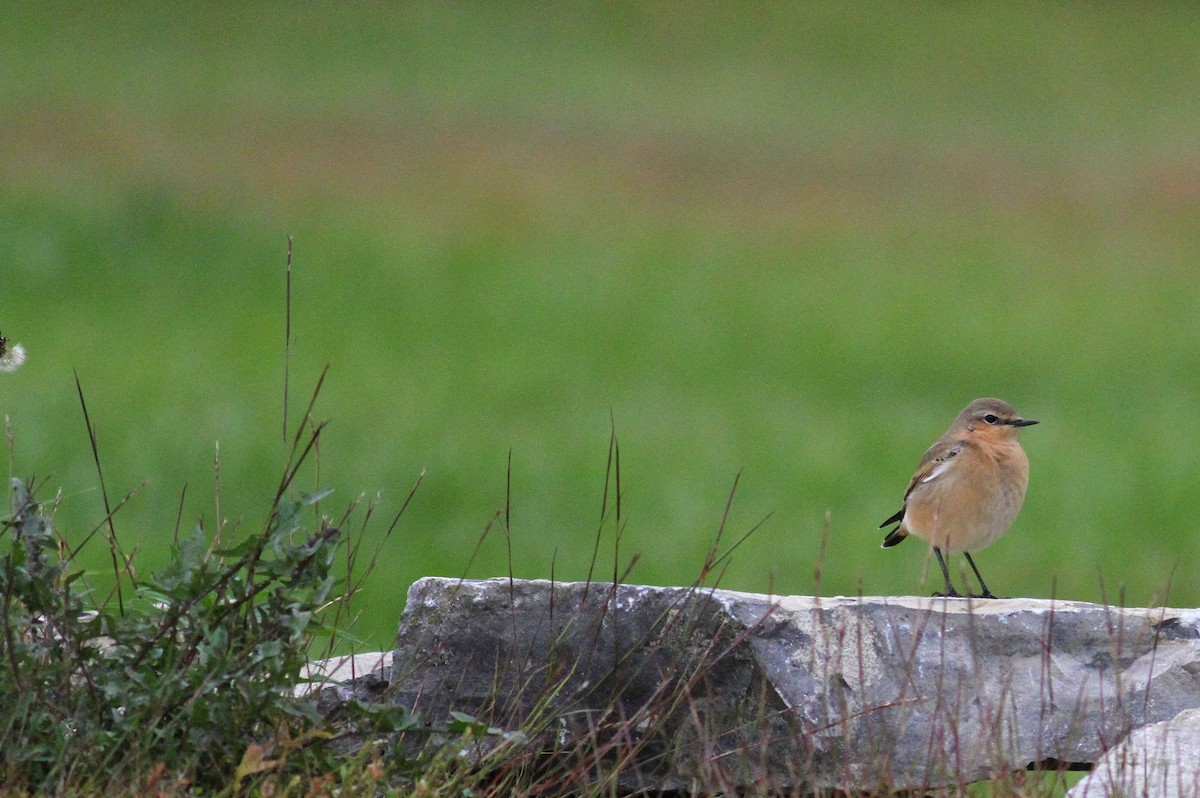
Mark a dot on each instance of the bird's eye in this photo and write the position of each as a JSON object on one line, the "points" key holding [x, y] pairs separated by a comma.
{"points": [[990, 418]]}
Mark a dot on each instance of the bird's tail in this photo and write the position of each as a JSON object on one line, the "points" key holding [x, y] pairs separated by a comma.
{"points": [[897, 535]]}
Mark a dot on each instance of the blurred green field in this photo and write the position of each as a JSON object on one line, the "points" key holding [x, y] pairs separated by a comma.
{"points": [[790, 241]]}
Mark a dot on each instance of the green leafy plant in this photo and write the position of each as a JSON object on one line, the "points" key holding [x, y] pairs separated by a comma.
{"points": [[198, 666]]}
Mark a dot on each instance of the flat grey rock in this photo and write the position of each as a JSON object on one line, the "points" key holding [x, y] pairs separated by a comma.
{"points": [[1161, 760], [668, 687], [342, 672]]}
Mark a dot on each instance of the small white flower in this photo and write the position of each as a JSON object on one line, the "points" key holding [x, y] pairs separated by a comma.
{"points": [[11, 357]]}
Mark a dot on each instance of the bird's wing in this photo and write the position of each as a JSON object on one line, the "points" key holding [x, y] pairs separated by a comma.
{"points": [[934, 463]]}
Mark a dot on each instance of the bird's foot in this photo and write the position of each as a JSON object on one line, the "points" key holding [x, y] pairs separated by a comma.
{"points": [[951, 593], [987, 594]]}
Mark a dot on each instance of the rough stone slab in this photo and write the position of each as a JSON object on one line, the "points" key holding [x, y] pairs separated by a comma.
{"points": [[757, 693], [342, 671], [1157, 761]]}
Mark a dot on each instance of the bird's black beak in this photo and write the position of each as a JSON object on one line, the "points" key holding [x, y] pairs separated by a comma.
{"points": [[1023, 422]]}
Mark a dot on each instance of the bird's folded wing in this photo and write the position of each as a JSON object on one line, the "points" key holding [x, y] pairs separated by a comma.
{"points": [[935, 463]]}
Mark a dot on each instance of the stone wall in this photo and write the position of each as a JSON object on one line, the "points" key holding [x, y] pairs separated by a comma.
{"points": [[669, 687]]}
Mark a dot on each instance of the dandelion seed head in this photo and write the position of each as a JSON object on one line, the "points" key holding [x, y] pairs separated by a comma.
{"points": [[11, 357]]}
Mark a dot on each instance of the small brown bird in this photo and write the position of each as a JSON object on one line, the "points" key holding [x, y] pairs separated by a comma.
{"points": [[969, 487]]}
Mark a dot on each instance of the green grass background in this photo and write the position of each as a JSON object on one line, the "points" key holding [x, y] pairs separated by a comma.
{"points": [[788, 240]]}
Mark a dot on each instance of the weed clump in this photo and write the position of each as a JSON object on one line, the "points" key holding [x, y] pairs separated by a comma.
{"points": [[182, 681]]}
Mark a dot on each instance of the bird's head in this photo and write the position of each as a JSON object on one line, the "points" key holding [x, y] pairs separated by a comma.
{"points": [[991, 419]]}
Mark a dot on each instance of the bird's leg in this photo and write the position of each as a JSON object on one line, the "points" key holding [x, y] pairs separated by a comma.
{"points": [[950, 591], [986, 593]]}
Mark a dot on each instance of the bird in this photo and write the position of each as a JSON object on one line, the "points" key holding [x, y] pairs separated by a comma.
{"points": [[968, 488]]}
